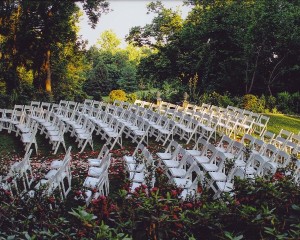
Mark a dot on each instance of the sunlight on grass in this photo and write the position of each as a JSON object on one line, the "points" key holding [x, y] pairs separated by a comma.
{"points": [[281, 121]]}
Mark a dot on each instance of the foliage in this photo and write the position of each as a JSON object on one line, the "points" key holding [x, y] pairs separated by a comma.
{"points": [[131, 97], [263, 208], [117, 95], [280, 121], [288, 102], [240, 47], [39, 46]]}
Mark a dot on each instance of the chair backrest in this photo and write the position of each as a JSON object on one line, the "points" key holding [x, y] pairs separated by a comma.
{"points": [[256, 162], [264, 119], [46, 106], [67, 157], [220, 161], [139, 149], [225, 142], [34, 103], [285, 134], [210, 151], [201, 144], [88, 102], [269, 151], [258, 145], [268, 170], [172, 146], [282, 158], [267, 136], [236, 149], [103, 152], [247, 140]]}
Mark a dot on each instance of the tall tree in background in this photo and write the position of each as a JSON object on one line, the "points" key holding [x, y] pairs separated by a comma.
{"points": [[235, 46], [112, 66], [32, 32]]}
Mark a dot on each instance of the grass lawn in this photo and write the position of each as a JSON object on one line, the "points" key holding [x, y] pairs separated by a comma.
{"points": [[281, 121]]}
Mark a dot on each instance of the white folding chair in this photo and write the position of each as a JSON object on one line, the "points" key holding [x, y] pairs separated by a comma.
{"points": [[29, 138], [280, 140], [260, 125], [113, 135], [95, 162], [86, 138], [199, 147], [57, 139]]}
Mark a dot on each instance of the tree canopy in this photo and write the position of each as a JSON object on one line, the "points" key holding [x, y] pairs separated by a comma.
{"points": [[236, 46], [36, 36]]}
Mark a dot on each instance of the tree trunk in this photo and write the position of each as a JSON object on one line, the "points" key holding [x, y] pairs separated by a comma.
{"points": [[48, 72], [254, 72]]}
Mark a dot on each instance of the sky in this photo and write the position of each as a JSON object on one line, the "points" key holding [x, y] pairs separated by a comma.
{"points": [[124, 14]]}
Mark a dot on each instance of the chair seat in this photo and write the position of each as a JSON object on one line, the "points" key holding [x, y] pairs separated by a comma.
{"points": [[225, 186], [56, 164], [218, 176], [112, 134], [129, 159], [164, 156], [94, 162], [84, 136], [52, 128], [55, 138], [95, 171], [26, 137], [177, 172], [80, 130], [164, 131], [171, 163], [209, 167], [108, 129], [91, 182], [187, 192], [53, 133], [201, 159], [138, 132], [194, 152], [23, 128], [135, 167], [208, 129], [51, 174], [134, 186], [137, 176], [182, 182]]}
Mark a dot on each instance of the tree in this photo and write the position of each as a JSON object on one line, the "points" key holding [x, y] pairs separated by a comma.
{"points": [[165, 25], [109, 41], [33, 32]]}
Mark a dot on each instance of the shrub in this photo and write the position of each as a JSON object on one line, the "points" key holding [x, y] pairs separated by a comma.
{"points": [[117, 95], [4, 100], [249, 102], [131, 97], [284, 102], [271, 102], [148, 96], [295, 99], [253, 103]]}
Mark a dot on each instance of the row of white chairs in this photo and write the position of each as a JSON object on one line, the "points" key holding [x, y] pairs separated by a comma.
{"points": [[97, 182], [247, 121], [58, 177], [140, 167], [20, 177], [19, 173], [264, 159]]}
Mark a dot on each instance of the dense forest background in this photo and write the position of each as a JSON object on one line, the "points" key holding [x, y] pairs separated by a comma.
{"points": [[223, 48]]}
